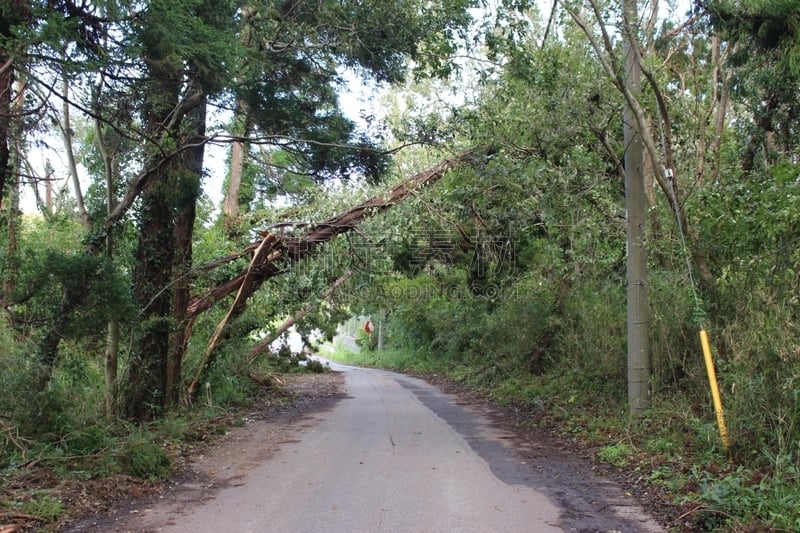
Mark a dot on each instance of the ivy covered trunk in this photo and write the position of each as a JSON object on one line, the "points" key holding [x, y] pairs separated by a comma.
{"points": [[16, 13], [164, 252], [6, 90], [161, 278], [155, 255], [146, 388], [187, 194]]}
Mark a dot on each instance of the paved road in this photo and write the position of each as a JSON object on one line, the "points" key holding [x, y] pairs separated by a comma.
{"points": [[397, 455]]}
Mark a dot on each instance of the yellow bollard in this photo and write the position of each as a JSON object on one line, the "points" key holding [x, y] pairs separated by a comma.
{"points": [[712, 379]]}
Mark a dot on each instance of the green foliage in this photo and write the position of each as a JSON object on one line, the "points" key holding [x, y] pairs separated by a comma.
{"points": [[770, 24], [520, 329], [146, 459], [44, 414], [43, 506], [592, 336], [751, 224], [79, 292], [740, 498], [765, 44], [676, 359], [206, 42], [616, 454]]}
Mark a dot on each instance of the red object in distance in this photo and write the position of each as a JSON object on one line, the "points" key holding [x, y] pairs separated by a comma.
{"points": [[368, 327]]}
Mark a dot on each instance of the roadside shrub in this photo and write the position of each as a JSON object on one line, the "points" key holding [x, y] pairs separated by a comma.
{"points": [[147, 460], [676, 354], [592, 335], [760, 377], [519, 332], [409, 300], [458, 321]]}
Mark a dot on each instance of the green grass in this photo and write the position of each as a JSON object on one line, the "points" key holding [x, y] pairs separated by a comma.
{"points": [[618, 454], [401, 360]]}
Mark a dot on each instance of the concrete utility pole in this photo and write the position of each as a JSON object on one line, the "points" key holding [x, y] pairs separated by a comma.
{"points": [[638, 353]]}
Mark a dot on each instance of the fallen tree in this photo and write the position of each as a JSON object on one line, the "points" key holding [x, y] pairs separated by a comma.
{"points": [[294, 248], [274, 253]]}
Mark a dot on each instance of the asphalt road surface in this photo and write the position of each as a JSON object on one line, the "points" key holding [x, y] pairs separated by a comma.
{"points": [[398, 455]]}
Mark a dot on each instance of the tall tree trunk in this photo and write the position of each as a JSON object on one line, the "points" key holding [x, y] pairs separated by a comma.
{"points": [[112, 367], [189, 187], [231, 205], [113, 337], [146, 389], [15, 12], [12, 213], [722, 75], [10, 132], [67, 134], [10, 205], [652, 201], [48, 195], [241, 128], [6, 96]]}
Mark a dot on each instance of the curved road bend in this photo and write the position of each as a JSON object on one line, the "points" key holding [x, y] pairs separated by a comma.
{"points": [[398, 455]]}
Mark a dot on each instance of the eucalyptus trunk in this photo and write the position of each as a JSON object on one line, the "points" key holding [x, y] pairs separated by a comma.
{"points": [[113, 337], [67, 134], [6, 94], [231, 206]]}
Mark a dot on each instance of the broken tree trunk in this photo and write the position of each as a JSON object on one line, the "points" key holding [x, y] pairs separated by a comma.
{"points": [[262, 255], [303, 245], [259, 348]]}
